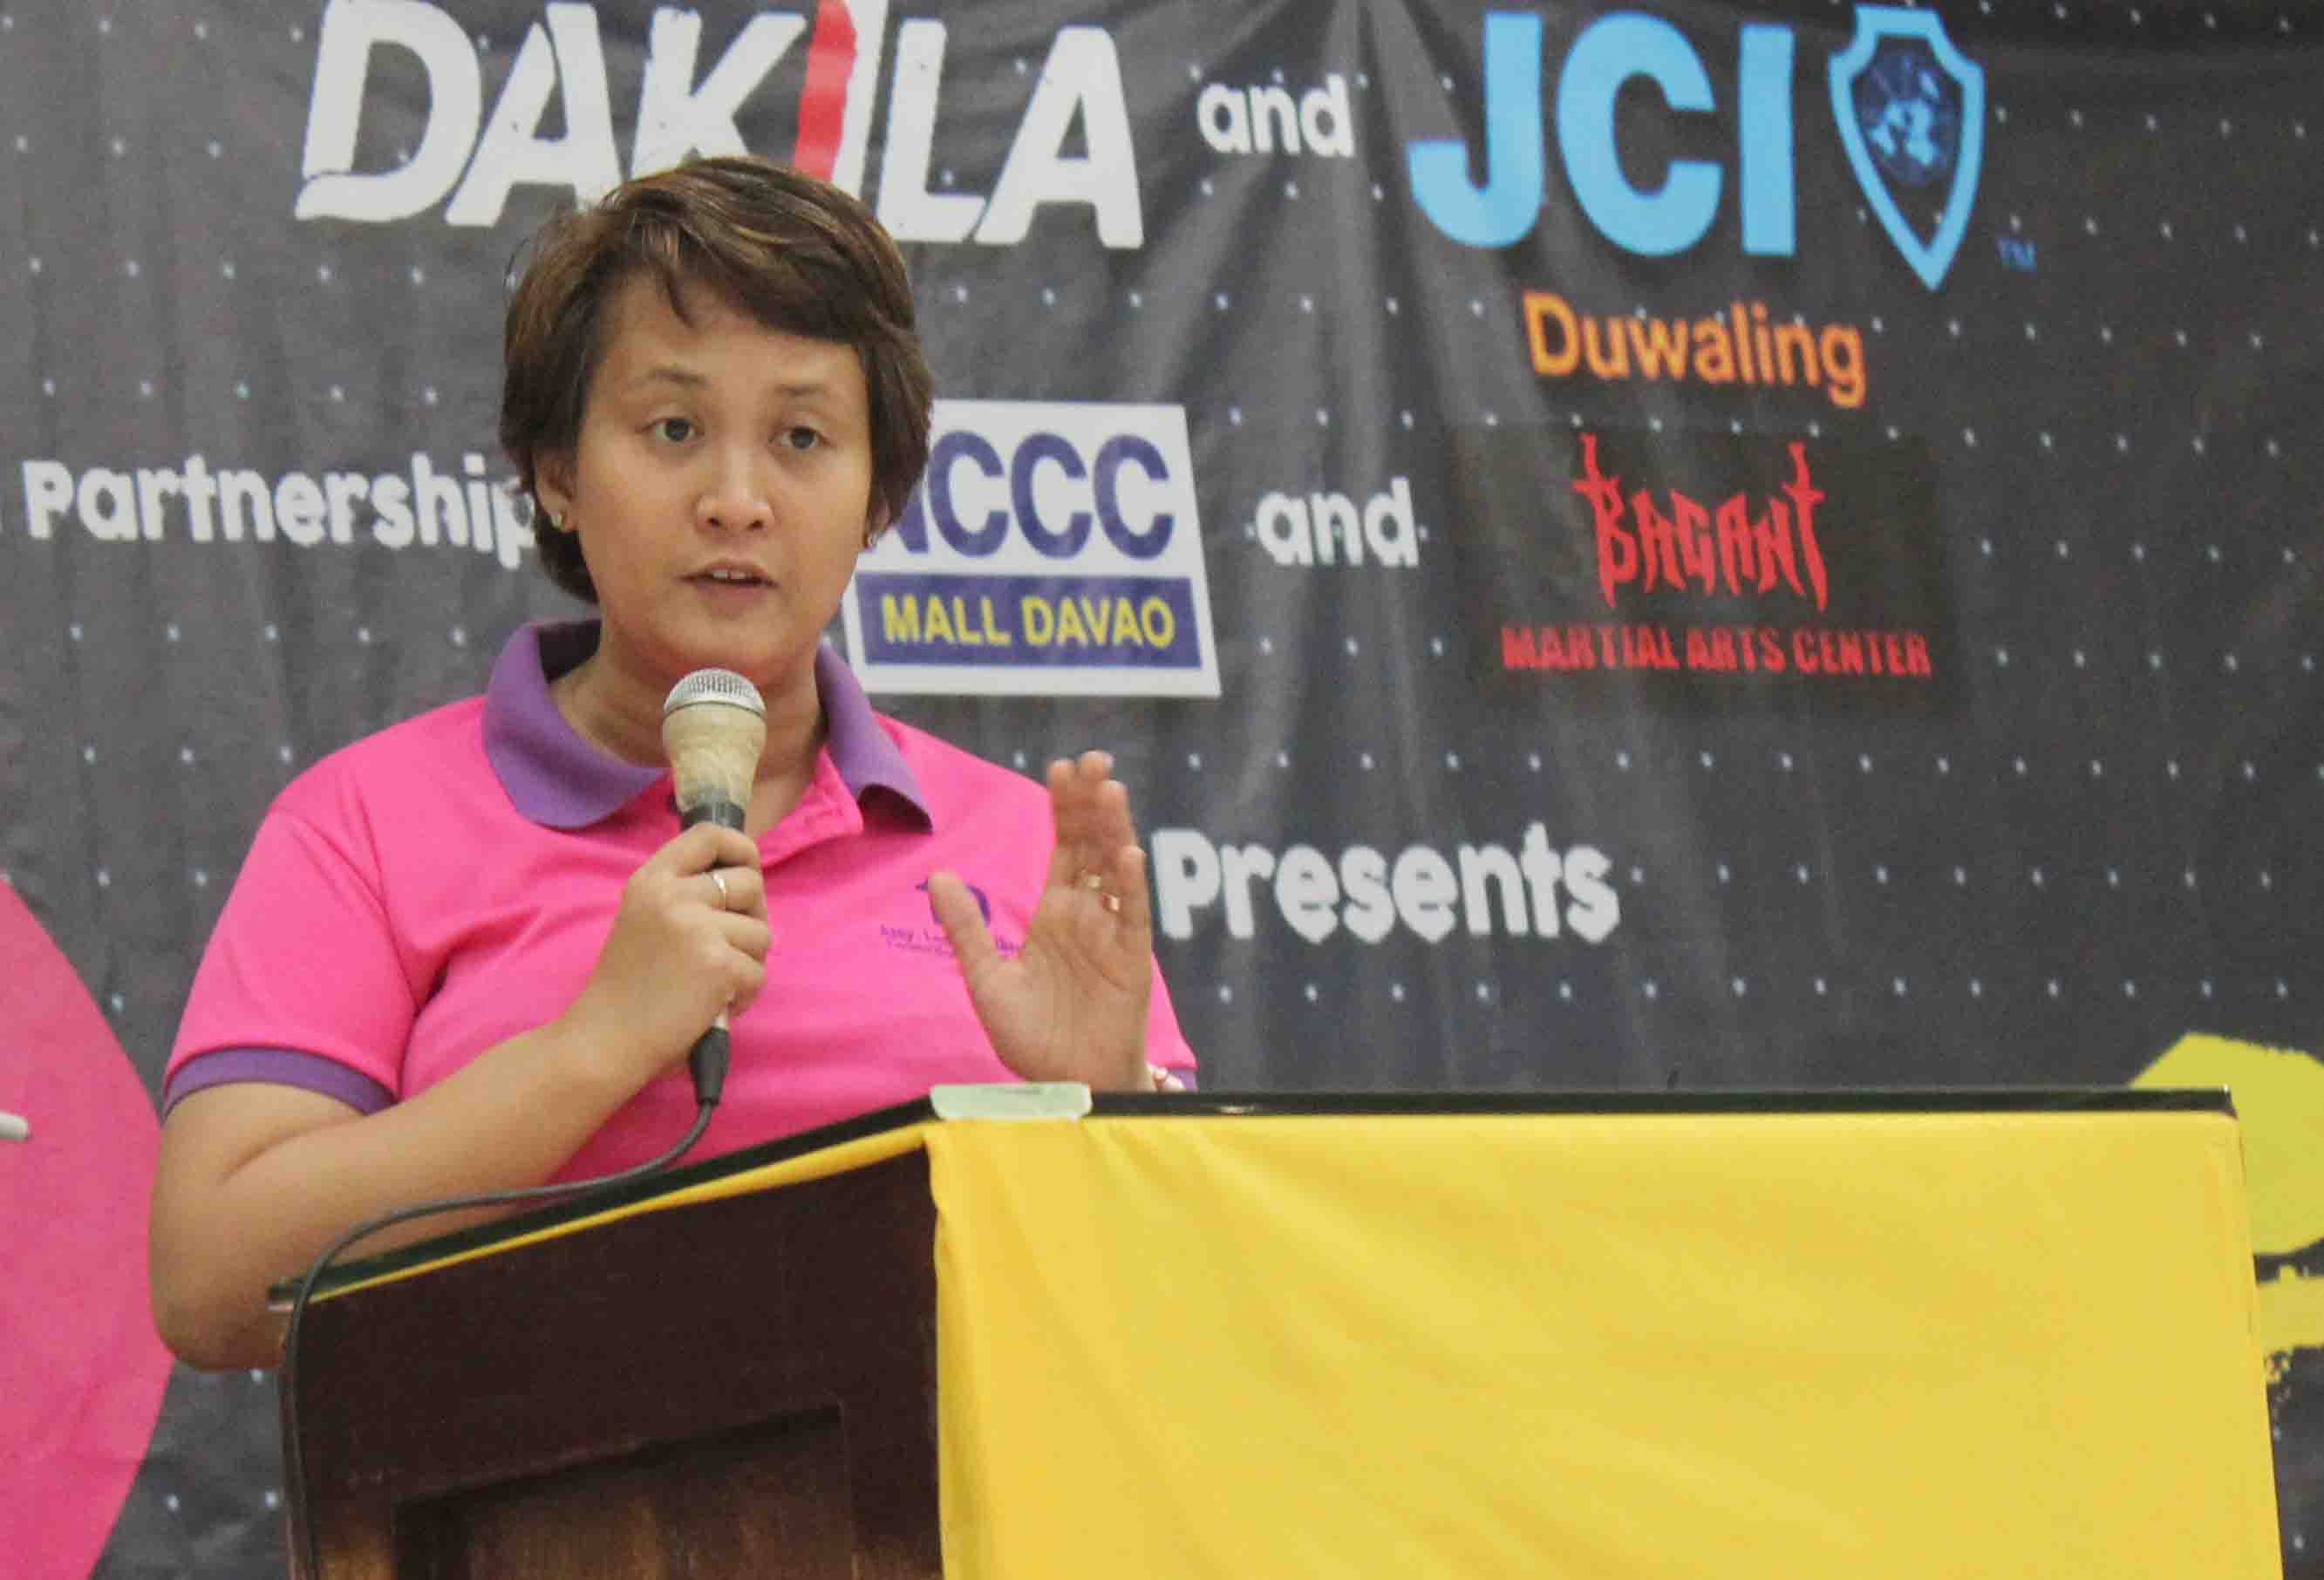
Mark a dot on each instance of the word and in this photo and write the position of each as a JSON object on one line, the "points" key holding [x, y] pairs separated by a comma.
{"points": [[1265, 119], [1327, 528]]}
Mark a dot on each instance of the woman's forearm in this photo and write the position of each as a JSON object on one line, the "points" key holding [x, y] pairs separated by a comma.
{"points": [[255, 1179]]}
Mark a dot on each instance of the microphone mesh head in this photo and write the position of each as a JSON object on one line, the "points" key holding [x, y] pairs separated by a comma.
{"points": [[719, 686], [714, 726]]}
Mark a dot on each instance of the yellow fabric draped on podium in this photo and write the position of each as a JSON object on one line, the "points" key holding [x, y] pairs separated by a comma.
{"points": [[1801, 1346], [1651, 1344]]}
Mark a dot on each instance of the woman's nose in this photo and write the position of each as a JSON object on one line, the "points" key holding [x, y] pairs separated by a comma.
{"points": [[733, 498]]}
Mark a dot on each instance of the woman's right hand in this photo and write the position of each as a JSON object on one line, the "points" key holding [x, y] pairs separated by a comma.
{"points": [[255, 1177], [681, 949]]}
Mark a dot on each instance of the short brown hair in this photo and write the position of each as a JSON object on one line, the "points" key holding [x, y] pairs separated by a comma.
{"points": [[796, 253]]}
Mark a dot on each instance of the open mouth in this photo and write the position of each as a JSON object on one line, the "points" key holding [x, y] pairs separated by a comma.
{"points": [[731, 578]]}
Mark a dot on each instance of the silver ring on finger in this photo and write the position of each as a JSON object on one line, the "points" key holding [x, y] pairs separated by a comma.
{"points": [[725, 899]]}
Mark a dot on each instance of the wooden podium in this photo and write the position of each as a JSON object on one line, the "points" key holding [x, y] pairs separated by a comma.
{"points": [[741, 1387], [1799, 1336]]}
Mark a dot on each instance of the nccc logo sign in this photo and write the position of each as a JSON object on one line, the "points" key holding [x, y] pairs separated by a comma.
{"points": [[1909, 107], [1053, 550]]}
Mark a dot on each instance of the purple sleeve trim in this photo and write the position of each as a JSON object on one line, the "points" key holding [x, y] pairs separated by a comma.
{"points": [[282, 1066]]}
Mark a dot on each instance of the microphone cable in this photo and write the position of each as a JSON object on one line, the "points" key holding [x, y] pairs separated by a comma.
{"points": [[294, 1459]]}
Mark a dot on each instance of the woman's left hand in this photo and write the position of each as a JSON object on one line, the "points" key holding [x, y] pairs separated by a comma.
{"points": [[1071, 1005]]}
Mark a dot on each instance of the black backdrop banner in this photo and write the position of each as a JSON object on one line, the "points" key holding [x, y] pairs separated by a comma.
{"points": [[1714, 545]]}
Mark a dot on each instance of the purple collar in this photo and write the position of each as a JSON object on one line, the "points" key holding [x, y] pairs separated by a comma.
{"points": [[560, 780]]}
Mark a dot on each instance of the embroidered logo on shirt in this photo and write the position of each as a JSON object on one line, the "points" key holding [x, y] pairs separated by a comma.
{"points": [[931, 941]]}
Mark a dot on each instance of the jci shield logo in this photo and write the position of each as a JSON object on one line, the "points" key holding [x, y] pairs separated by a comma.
{"points": [[1911, 112]]}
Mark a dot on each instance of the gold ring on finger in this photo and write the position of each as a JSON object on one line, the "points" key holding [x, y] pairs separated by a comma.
{"points": [[725, 899]]}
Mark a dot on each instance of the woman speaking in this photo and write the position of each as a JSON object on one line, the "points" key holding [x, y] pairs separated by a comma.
{"points": [[471, 952]]}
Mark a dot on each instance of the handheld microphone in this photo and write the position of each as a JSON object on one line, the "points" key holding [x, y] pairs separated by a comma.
{"points": [[713, 727]]}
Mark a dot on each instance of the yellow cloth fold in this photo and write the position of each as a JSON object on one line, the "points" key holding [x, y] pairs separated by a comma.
{"points": [[1792, 1346]]}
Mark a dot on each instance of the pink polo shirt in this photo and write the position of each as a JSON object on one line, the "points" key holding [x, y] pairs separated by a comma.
{"points": [[435, 889]]}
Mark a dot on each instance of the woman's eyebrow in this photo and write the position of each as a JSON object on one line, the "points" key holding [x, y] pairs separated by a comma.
{"points": [[669, 374], [686, 378]]}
